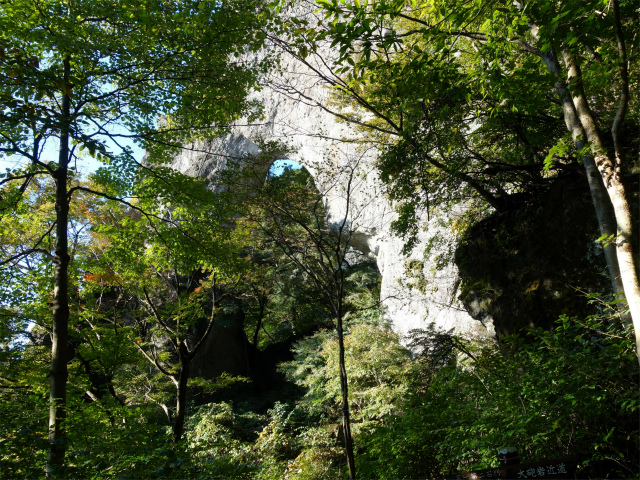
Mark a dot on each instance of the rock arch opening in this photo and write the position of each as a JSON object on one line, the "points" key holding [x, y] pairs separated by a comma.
{"points": [[278, 167]]}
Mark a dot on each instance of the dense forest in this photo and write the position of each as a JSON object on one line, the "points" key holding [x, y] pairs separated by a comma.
{"points": [[155, 324]]}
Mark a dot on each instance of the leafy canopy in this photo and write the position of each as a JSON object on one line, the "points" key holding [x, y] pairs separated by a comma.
{"points": [[161, 72]]}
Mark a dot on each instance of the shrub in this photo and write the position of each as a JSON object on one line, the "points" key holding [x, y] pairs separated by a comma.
{"points": [[570, 391]]}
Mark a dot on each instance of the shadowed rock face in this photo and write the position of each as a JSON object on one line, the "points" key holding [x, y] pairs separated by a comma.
{"points": [[524, 267], [225, 350]]}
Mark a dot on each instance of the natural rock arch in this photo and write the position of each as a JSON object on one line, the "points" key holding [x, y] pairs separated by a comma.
{"points": [[330, 152], [296, 101], [416, 288]]}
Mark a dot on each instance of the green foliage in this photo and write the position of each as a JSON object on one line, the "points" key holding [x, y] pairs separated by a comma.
{"points": [[105, 440], [110, 440], [27, 245], [460, 94], [296, 282], [82, 77], [161, 270], [23, 432], [571, 391], [218, 439], [127, 66], [279, 297], [293, 446], [375, 369], [462, 111], [227, 443]]}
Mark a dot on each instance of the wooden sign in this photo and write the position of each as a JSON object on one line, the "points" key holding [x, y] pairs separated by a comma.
{"points": [[545, 469]]}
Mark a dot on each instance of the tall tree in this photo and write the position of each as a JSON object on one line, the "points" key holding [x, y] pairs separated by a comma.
{"points": [[88, 75], [289, 211], [165, 270]]}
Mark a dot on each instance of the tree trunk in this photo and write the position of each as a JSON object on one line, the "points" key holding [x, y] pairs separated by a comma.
{"points": [[610, 174], [262, 303], [181, 402], [346, 417], [60, 303], [606, 221], [599, 197]]}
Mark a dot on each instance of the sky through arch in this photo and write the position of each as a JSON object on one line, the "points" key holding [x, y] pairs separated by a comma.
{"points": [[278, 167]]}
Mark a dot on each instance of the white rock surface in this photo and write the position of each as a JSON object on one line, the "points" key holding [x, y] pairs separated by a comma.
{"points": [[296, 104]]}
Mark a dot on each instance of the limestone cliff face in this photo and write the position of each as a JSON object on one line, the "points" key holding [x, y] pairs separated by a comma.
{"points": [[296, 104], [416, 289]]}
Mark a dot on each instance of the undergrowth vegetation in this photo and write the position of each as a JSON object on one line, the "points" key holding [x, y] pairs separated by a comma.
{"points": [[448, 406]]}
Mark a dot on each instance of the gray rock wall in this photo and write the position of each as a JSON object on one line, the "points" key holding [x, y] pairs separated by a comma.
{"points": [[298, 111]]}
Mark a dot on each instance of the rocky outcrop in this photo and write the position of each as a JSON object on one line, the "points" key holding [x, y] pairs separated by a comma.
{"points": [[418, 288], [327, 149], [533, 263]]}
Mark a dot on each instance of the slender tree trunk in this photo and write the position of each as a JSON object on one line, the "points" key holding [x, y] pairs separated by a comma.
{"points": [[60, 303], [340, 253], [262, 302], [344, 383], [606, 221], [610, 173], [346, 417], [599, 197], [181, 402]]}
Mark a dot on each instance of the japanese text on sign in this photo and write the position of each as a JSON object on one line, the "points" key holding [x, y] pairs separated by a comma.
{"points": [[542, 471]]}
